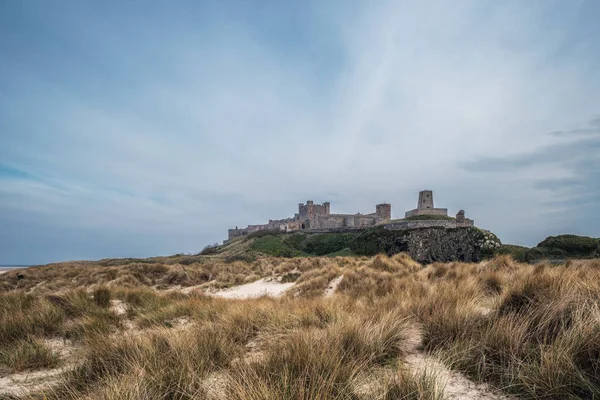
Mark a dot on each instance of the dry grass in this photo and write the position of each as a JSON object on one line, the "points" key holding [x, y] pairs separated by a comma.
{"points": [[28, 354], [531, 331]]}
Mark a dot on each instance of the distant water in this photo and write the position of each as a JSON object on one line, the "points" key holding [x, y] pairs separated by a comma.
{"points": [[7, 267]]}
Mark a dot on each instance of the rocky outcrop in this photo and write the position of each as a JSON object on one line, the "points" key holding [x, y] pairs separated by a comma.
{"points": [[427, 245]]}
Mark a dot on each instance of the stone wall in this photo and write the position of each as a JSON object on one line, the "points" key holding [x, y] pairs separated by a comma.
{"points": [[363, 220], [442, 223], [426, 211], [344, 229], [346, 223], [333, 221], [330, 221], [233, 233]]}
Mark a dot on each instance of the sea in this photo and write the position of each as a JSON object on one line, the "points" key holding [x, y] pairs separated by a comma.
{"points": [[9, 267]]}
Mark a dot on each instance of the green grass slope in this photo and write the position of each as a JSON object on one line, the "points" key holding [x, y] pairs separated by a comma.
{"points": [[555, 247], [440, 244]]}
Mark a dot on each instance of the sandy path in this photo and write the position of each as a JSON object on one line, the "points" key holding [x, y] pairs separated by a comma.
{"points": [[190, 289], [261, 287], [23, 383], [333, 285], [455, 384], [26, 382]]}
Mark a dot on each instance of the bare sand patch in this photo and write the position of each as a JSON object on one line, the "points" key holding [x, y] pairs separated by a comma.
{"points": [[333, 285], [61, 346], [261, 287], [215, 385], [26, 382], [455, 385], [118, 307], [23, 383]]}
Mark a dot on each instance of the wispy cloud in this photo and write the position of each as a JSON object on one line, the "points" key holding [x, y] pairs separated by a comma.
{"points": [[593, 129], [166, 125]]}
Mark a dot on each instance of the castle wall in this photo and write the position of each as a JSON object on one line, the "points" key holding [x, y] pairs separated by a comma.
{"points": [[330, 221], [344, 229], [318, 218], [363, 220], [346, 220], [402, 225], [256, 228], [234, 233], [293, 225], [426, 211]]}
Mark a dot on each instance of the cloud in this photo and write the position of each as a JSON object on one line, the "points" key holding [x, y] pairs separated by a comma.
{"points": [[564, 181], [594, 129], [171, 124]]}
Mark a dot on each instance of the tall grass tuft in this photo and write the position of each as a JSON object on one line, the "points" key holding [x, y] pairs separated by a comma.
{"points": [[102, 296], [29, 354]]}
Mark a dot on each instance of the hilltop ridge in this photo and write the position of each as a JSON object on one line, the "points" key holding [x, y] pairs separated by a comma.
{"points": [[425, 244]]}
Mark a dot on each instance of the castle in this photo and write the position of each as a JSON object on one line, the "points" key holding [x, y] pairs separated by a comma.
{"points": [[318, 218]]}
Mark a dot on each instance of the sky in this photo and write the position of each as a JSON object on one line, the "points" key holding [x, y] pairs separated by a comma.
{"points": [[133, 129]]}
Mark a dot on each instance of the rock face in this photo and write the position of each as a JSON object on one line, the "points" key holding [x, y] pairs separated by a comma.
{"points": [[429, 245]]}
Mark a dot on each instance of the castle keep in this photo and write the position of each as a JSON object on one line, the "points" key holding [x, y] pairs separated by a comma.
{"points": [[425, 206], [318, 218]]}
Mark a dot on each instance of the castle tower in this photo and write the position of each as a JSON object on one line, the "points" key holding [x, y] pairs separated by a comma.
{"points": [[384, 211], [313, 211], [309, 209], [425, 200], [425, 206]]}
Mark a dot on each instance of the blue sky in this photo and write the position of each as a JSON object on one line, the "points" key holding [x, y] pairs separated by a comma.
{"points": [[149, 128]]}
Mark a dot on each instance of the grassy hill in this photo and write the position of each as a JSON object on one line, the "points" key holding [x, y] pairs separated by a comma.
{"points": [[360, 243], [424, 244], [561, 247]]}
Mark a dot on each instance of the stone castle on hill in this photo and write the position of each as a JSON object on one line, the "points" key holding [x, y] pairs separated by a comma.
{"points": [[318, 218]]}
